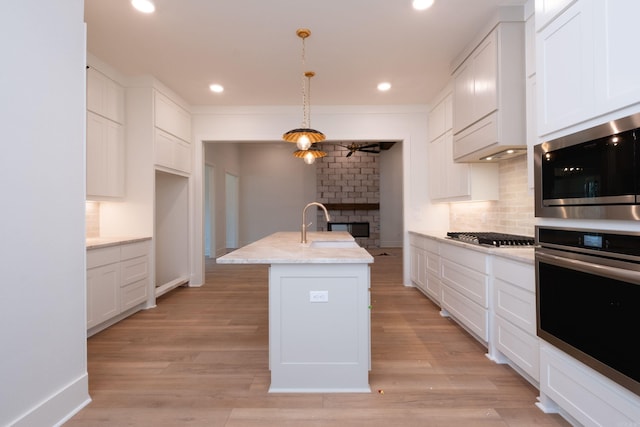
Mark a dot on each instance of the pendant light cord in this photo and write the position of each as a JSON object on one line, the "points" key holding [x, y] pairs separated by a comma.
{"points": [[305, 99]]}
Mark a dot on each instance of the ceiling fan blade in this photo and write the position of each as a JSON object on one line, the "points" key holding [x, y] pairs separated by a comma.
{"points": [[370, 151], [349, 153], [368, 146]]}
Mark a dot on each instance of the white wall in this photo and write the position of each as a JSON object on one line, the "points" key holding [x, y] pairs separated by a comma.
{"points": [[43, 370], [405, 123]]}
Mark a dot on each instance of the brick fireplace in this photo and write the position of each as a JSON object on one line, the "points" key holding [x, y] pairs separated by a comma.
{"points": [[350, 189]]}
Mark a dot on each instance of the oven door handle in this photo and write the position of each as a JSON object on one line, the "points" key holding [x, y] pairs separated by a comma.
{"points": [[621, 274]]}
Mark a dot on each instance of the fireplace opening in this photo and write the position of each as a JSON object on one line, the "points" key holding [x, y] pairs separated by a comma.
{"points": [[356, 229]]}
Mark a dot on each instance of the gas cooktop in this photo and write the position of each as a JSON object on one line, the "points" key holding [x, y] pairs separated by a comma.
{"points": [[491, 238]]}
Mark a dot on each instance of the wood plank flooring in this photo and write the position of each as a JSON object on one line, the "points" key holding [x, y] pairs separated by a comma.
{"points": [[200, 358]]}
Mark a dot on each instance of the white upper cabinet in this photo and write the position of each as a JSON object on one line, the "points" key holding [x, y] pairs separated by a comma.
{"points": [[489, 95], [450, 181], [172, 134], [105, 157], [475, 85], [172, 118], [585, 63], [565, 64], [617, 63], [440, 118], [172, 152], [104, 96], [547, 10], [105, 137]]}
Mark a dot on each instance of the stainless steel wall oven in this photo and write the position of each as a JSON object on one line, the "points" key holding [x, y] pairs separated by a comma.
{"points": [[588, 298], [593, 174]]}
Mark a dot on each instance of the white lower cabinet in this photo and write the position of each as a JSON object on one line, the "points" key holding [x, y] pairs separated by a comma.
{"points": [[425, 266], [514, 322], [319, 345], [117, 283], [465, 288], [103, 285], [418, 260], [582, 395], [489, 295], [433, 285]]}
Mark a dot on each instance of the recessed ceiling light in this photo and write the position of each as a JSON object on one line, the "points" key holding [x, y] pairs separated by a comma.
{"points": [[384, 86], [216, 88], [422, 4], [144, 6]]}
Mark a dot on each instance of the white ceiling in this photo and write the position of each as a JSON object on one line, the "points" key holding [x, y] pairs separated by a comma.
{"points": [[251, 47]]}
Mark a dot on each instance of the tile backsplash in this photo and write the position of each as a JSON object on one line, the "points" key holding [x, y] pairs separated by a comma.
{"points": [[512, 213], [92, 219]]}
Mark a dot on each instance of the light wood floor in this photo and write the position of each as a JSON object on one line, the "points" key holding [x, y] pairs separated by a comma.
{"points": [[201, 359]]}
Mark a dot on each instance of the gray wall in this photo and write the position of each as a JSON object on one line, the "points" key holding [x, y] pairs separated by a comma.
{"points": [[274, 188]]}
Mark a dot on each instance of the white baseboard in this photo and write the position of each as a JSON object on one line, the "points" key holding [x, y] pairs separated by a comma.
{"points": [[60, 407]]}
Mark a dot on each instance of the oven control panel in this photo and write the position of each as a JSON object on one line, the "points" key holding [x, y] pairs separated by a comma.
{"points": [[611, 242]]}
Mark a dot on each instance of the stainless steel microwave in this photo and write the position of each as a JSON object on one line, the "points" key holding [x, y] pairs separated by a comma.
{"points": [[592, 174]]}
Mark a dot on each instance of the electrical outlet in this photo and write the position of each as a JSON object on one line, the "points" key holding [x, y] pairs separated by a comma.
{"points": [[318, 296]]}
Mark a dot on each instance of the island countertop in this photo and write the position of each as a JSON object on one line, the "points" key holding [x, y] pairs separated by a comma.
{"points": [[285, 248]]}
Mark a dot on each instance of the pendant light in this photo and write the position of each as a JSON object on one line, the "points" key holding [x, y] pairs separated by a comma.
{"points": [[310, 155], [304, 136]]}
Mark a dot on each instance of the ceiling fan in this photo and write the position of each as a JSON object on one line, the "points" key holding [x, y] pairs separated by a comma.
{"points": [[369, 148]]}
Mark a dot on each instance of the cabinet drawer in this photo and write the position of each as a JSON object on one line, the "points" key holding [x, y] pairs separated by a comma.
{"points": [[103, 256], [134, 250], [516, 305], [465, 311], [470, 283], [472, 259], [133, 270], [516, 273], [520, 347], [133, 294]]}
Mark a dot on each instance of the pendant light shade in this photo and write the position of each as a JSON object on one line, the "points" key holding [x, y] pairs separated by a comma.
{"points": [[310, 155], [304, 137]]}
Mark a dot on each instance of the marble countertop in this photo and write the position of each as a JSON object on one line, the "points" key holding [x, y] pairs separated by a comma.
{"points": [[103, 242], [517, 253], [285, 248]]}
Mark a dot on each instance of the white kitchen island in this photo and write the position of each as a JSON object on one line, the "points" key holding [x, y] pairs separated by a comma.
{"points": [[319, 313]]}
